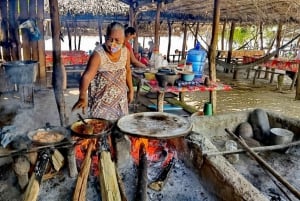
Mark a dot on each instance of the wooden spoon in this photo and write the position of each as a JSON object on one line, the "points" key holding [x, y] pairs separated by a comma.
{"points": [[88, 128]]}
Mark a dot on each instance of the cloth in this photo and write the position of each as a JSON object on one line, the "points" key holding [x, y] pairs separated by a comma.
{"points": [[128, 45], [108, 90]]}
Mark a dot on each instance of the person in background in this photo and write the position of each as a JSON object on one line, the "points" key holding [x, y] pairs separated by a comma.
{"points": [[130, 34], [107, 78], [150, 50]]}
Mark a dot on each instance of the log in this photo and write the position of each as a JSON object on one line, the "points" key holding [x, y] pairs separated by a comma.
{"points": [[57, 160], [256, 149], [121, 187], [21, 168], [33, 186], [107, 178], [162, 177], [72, 162], [265, 165], [141, 193], [81, 184]]}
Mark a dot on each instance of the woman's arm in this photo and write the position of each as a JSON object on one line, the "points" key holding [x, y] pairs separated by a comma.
{"points": [[134, 60], [129, 79], [88, 75]]}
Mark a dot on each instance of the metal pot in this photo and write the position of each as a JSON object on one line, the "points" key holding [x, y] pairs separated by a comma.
{"points": [[76, 128], [281, 136]]}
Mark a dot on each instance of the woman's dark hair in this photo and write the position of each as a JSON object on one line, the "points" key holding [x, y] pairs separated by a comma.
{"points": [[130, 30], [113, 26]]}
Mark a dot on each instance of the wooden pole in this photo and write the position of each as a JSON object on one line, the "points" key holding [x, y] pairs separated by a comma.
{"points": [[184, 41], [261, 36], [75, 34], [157, 26], [57, 75], [24, 14], [223, 35], [196, 34], [100, 30], [297, 97], [169, 39], [212, 53], [69, 35], [13, 30], [232, 28], [33, 44], [41, 43], [4, 30], [79, 39], [265, 165]]}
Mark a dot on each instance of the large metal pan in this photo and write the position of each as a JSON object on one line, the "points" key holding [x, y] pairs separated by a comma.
{"points": [[47, 135], [158, 125], [101, 128]]}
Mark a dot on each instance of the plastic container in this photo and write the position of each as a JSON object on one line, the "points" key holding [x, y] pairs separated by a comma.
{"points": [[197, 57], [21, 72], [231, 145]]}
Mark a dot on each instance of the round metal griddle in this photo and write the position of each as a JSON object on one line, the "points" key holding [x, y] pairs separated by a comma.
{"points": [[158, 125]]}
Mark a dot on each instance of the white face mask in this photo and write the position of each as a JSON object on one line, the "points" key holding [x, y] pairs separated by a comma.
{"points": [[116, 48]]}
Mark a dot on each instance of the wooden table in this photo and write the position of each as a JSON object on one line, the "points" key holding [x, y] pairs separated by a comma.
{"points": [[161, 91], [273, 64]]}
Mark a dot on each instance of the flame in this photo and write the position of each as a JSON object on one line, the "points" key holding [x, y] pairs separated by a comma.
{"points": [[80, 152], [156, 149]]}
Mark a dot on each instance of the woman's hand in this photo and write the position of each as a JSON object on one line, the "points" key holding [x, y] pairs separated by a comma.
{"points": [[130, 95], [81, 103]]}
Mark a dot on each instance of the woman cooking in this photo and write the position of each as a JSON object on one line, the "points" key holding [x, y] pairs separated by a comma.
{"points": [[108, 78]]}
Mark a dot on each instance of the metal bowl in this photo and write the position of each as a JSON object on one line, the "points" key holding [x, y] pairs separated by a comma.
{"points": [[281, 136]]}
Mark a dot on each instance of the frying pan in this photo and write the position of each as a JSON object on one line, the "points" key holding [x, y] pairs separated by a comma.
{"points": [[61, 132], [105, 131]]}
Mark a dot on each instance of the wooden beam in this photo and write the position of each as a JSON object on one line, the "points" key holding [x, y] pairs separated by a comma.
{"points": [[57, 75], [4, 30], [157, 26], [33, 44], [212, 53], [184, 41], [41, 43], [169, 39]]}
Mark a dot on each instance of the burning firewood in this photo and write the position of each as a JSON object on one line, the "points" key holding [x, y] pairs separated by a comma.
{"points": [[162, 177], [81, 184], [33, 186], [141, 194], [108, 179]]}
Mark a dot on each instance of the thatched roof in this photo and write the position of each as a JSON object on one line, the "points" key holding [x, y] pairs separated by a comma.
{"points": [[244, 11], [87, 13]]}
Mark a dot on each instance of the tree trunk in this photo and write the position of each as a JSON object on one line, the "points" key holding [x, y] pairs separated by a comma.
{"points": [[298, 84], [57, 75], [212, 52]]}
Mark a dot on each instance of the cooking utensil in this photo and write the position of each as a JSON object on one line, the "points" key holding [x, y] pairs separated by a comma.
{"points": [[281, 136], [158, 125], [47, 135], [88, 128], [106, 126]]}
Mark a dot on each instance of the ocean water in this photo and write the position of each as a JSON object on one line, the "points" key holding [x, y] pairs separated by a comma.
{"points": [[88, 43]]}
